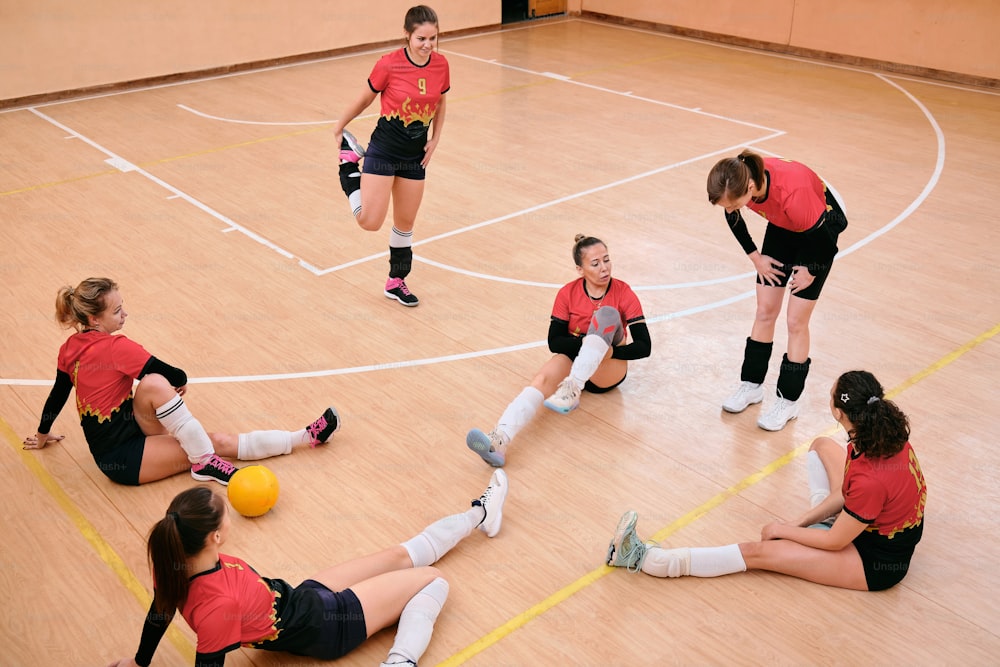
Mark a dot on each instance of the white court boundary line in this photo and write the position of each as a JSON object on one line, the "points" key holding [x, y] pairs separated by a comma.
{"points": [[914, 205], [928, 188]]}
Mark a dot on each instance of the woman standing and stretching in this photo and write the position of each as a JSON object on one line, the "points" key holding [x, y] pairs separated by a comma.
{"points": [[804, 220], [412, 82]]}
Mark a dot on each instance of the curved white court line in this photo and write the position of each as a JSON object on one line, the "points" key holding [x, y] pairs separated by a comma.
{"points": [[913, 206], [253, 122]]}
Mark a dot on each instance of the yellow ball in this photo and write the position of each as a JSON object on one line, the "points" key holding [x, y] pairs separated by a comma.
{"points": [[253, 490]]}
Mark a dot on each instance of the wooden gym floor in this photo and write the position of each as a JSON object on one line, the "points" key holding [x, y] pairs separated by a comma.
{"points": [[215, 205]]}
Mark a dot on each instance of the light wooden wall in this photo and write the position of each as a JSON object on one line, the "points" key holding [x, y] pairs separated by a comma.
{"points": [[946, 35], [47, 46]]}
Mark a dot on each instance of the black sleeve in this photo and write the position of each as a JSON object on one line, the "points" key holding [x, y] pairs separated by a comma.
{"points": [[640, 346], [561, 341], [739, 229], [216, 659], [152, 632], [175, 376], [55, 402]]}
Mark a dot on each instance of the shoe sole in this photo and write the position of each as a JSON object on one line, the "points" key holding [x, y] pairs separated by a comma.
{"points": [[627, 521], [408, 305], [501, 476], [774, 430], [208, 478], [354, 144], [736, 412], [479, 442], [561, 411]]}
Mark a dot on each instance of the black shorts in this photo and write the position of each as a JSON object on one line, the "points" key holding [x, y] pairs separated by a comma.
{"points": [[382, 164], [784, 246], [123, 443], [594, 389], [343, 628], [883, 571]]}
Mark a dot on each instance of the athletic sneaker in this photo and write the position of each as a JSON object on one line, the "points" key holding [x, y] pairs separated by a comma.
{"points": [[782, 412], [323, 428], [566, 399], [746, 394], [492, 501], [626, 549], [351, 149], [214, 469], [395, 288], [398, 664], [487, 446]]}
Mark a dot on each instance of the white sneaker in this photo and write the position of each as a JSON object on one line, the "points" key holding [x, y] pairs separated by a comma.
{"points": [[746, 394], [782, 412], [492, 501], [566, 398]]}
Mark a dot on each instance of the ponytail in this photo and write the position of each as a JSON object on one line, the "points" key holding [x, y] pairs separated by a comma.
{"points": [[75, 306], [879, 427], [730, 177], [191, 517]]}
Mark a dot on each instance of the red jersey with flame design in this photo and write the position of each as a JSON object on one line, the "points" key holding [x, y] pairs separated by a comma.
{"points": [[889, 495], [103, 367], [232, 605], [574, 306], [796, 197], [410, 95]]}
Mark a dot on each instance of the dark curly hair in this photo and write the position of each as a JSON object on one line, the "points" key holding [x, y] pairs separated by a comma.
{"points": [[880, 429]]}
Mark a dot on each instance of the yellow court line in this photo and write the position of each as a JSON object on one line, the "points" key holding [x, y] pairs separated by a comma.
{"points": [[563, 594], [89, 533]]}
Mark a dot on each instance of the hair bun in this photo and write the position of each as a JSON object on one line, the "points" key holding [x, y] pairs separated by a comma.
{"points": [[579, 237]]}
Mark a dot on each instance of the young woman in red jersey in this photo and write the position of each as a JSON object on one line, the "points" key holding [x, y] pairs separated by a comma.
{"points": [[591, 319], [412, 83], [147, 434], [804, 220], [865, 519], [229, 605]]}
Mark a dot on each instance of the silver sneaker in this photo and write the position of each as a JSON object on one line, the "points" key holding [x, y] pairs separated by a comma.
{"points": [[487, 445], [626, 549], [746, 394]]}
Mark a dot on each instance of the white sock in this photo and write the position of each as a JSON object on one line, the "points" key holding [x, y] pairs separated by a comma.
{"points": [[263, 444], [592, 352], [520, 411], [180, 423], [696, 561], [398, 239], [354, 201], [717, 561], [416, 622], [819, 483], [441, 536]]}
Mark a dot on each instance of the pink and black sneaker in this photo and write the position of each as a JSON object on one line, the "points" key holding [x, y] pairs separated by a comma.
{"points": [[323, 428], [395, 288], [214, 469], [351, 149]]}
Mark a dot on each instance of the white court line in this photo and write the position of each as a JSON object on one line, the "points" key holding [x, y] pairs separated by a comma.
{"points": [[238, 121], [544, 205], [570, 80], [917, 202], [117, 160]]}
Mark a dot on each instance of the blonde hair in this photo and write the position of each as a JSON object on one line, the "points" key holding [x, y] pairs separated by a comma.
{"points": [[75, 306]]}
